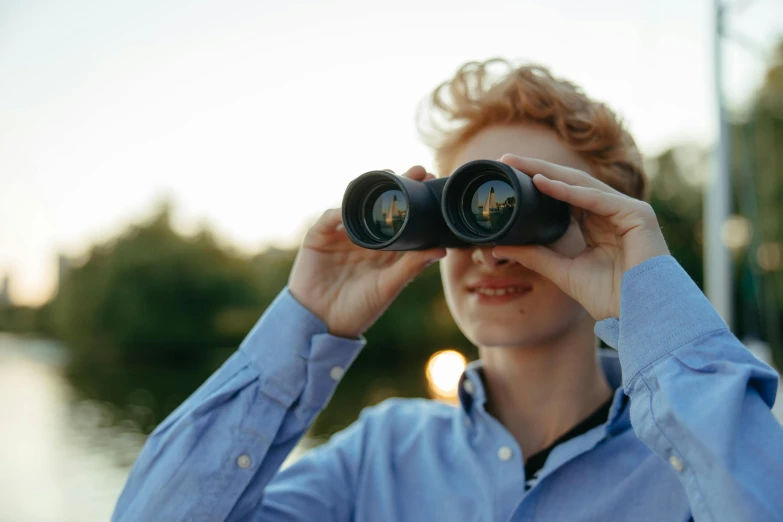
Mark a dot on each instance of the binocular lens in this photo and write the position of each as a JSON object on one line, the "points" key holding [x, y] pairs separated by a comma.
{"points": [[384, 212], [491, 205]]}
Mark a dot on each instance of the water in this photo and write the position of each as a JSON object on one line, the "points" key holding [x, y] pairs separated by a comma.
{"points": [[49, 468], [63, 458]]}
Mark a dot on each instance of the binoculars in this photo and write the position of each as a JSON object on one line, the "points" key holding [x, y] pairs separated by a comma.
{"points": [[483, 202]]}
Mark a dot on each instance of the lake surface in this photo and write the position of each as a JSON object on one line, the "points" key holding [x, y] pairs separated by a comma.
{"points": [[63, 458]]}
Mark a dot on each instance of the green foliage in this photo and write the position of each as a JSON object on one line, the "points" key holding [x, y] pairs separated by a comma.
{"points": [[678, 205], [757, 171], [153, 296], [18, 319]]}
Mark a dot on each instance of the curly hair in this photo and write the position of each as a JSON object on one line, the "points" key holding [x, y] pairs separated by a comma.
{"points": [[478, 97]]}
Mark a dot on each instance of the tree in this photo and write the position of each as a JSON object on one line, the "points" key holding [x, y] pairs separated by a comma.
{"points": [[153, 296]]}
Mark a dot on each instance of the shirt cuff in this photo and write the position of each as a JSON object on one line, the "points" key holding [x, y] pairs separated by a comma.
{"points": [[286, 341], [661, 309]]}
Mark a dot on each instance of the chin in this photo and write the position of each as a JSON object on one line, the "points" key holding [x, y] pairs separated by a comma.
{"points": [[509, 338]]}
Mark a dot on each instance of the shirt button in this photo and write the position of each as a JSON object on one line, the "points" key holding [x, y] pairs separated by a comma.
{"points": [[469, 387], [504, 453], [243, 461], [336, 373], [676, 463]]}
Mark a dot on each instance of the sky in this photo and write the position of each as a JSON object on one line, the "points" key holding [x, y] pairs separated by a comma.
{"points": [[232, 109]]}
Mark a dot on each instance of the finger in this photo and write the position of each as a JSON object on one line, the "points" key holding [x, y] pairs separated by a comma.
{"points": [[416, 172], [591, 199], [533, 166], [540, 259], [328, 221]]}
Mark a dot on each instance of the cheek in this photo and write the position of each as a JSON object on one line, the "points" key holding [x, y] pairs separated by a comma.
{"points": [[451, 269], [572, 243]]}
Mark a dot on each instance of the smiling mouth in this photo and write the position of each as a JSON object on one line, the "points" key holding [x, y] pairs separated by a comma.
{"points": [[501, 291]]}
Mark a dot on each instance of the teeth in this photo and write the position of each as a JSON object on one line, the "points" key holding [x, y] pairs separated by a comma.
{"points": [[498, 291]]}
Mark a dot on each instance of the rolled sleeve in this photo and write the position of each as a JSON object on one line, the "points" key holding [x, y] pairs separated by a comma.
{"points": [[699, 399], [661, 309]]}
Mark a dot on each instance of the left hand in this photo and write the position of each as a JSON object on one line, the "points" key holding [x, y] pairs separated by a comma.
{"points": [[620, 232]]}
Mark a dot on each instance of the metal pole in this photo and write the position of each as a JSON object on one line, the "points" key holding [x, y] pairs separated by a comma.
{"points": [[717, 258]]}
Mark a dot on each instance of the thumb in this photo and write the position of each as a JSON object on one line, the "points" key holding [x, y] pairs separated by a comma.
{"points": [[540, 259]]}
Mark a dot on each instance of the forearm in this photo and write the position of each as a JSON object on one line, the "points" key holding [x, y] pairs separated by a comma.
{"points": [[211, 458], [699, 399]]}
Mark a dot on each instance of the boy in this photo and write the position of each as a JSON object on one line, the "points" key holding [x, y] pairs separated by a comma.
{"points": [[674, 425]]}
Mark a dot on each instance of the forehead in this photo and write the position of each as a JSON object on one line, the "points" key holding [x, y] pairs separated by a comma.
{"points": [[527, 140]]}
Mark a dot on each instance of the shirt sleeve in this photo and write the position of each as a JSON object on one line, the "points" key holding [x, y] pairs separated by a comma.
{"points": [[213, 456], [699, 398]]}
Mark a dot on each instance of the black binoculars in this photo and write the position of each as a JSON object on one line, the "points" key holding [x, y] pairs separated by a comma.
{"points": [[483, 202]]}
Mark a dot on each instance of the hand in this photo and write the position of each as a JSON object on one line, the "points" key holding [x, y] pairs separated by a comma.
{"points": [[620, 232], [349, 287]]}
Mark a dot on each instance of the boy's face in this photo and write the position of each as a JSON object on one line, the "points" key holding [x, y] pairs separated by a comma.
{"points": [[526, 308]]}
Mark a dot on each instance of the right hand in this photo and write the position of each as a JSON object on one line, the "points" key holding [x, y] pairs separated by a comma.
{"points": [[346, 286]]}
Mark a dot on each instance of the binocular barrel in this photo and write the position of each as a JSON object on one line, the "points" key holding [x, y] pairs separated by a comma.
{"points": [[483, 202]]}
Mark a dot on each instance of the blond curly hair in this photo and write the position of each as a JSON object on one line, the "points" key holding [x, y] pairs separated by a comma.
{"points": [[493, 92]]}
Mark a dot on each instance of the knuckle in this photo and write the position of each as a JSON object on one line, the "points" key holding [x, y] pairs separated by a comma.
{"points": [[329, 215], [645, 209]]}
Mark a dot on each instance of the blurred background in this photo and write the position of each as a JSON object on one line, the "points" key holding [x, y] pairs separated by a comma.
{"points": [[160, 162]]}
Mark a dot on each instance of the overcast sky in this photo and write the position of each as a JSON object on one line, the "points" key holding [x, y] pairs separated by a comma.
{"points": [[232, 108]]}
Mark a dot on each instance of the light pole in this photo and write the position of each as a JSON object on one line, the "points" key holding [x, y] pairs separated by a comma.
{"points": [[717, 196]]}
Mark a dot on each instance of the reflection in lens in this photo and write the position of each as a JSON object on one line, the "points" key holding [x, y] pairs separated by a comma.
{"points": [[388, 213], [491, 206]]}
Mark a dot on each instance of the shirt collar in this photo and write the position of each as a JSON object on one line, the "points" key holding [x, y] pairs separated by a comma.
{"points": [[473, 394]]}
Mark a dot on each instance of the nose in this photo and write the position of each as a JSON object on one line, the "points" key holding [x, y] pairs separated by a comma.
{"points": [[482, 256]]}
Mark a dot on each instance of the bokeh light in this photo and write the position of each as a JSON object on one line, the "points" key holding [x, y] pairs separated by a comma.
{"points": [[443, 371], [736, 232], [769, 256]]}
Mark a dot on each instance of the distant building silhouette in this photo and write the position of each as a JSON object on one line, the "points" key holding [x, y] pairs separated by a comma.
{"points": [[64, 265], [5, 289], [490, 205], [393, 212]]}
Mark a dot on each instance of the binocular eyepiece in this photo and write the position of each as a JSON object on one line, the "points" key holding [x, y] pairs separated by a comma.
{"points": [[483, 202]]}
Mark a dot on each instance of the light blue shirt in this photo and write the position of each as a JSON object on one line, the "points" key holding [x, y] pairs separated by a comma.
{"points": [[689, 433]]}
